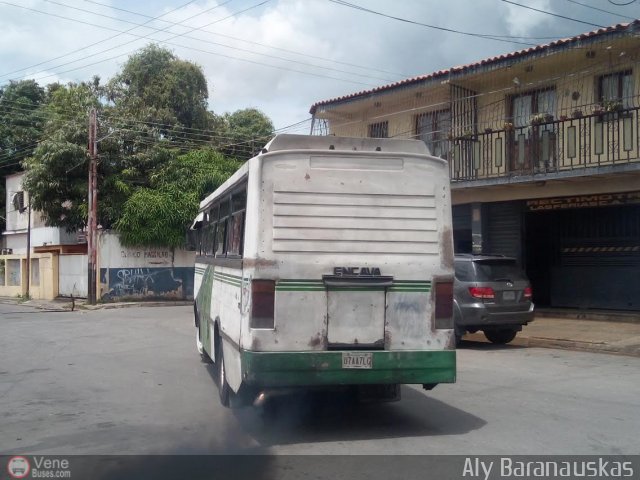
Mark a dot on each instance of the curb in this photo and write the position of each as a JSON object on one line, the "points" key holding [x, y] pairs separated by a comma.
{"points": [[589, 316], [112, 306], [66, 306], [564, 344]]}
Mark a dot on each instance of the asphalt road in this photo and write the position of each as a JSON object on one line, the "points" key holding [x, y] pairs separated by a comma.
{"points": [[129, 381]]}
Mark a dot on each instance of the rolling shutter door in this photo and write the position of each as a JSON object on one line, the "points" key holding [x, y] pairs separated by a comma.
{"points": [[504, 221]]}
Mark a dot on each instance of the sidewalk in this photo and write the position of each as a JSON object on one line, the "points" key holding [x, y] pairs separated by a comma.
{"points": [[620, 337]]}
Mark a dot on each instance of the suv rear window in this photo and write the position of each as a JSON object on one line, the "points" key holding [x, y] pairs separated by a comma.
{"points": [[495, 270]]}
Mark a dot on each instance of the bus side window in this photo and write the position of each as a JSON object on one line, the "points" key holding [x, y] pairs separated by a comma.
{"points": [[236, 224], [220, 237], [207, 241]]}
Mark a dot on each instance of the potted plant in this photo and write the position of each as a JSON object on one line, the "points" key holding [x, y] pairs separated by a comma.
{"points": [[563, 118], [612, 106], [537, 119], [548, 118], [508, 126], [577, 113], [488, 130]]}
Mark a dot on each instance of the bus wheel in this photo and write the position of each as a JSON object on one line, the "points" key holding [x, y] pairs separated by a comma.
{"points": [[223, 387]]}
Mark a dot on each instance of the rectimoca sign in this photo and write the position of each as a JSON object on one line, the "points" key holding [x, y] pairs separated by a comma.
{"points": [[583, 201]]}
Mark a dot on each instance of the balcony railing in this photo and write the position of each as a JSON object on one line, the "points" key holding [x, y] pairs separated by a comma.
{"points": [[548, 146]]}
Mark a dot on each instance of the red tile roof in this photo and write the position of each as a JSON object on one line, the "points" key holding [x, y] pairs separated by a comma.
{"points": [[621, 27]]}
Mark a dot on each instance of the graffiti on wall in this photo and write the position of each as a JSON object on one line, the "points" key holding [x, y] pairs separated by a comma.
{"points": [[160, 282]]}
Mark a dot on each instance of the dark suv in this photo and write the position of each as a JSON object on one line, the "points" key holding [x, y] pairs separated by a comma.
{"points": [[491, 293]]}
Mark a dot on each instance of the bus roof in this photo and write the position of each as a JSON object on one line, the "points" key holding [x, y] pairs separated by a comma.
{"points": [[290, 142], [316, 142]]}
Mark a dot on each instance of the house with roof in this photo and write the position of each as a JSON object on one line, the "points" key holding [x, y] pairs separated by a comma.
{"points": [[544, 158]]}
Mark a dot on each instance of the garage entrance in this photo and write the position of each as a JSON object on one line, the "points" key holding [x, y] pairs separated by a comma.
{"points": [[585, 257]]}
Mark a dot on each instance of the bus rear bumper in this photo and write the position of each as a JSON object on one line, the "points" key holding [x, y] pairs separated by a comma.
{"points": [[289, 369]]}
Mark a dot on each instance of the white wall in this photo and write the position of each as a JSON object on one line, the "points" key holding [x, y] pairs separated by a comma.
{"points": [[52, 236], [143, 272], [19, 222], [17, 242], [113, 255], [73, 275]]}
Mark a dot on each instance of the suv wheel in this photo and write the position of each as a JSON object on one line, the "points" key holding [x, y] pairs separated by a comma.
{"points": [[500, 337]]}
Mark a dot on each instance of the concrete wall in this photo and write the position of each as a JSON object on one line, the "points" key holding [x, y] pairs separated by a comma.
{"points": [[15, 236], [43, 273], [73, 276], [143, 273], [17, 242]]}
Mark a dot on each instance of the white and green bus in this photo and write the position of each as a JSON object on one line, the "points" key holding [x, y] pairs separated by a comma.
{"points": [[326, 262]]}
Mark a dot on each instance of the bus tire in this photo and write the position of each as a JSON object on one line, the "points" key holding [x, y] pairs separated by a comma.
{"points": [[223, 387]]}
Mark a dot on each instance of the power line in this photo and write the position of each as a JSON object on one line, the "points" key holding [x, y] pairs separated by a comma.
{"points": [[600, 9], [228, 46], [127, 31], [98, 42], [108, 115], [499, 38], [261, 44], [178, 45], [177, 141], [553, 14]]}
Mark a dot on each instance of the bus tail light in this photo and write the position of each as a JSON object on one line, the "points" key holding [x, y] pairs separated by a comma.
{"points": [[482, 292], [528, 293], [444, 304], [263, 297]]}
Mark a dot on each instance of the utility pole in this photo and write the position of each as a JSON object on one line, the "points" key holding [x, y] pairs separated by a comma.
{"points": [[28, 269], [92, 208]]}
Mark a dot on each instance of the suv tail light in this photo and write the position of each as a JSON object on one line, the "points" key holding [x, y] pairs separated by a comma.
{"points": [[482, 292], [263, 298], [444, 305], [528, 293]]}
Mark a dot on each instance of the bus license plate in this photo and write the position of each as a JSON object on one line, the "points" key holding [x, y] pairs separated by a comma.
{"points": [[357, 360], [509, 295]]}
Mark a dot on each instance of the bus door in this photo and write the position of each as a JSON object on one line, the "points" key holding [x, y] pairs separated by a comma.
{"points": [[356, 309]]}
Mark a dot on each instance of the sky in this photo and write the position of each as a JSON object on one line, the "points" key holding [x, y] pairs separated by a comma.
{"points": [[281, 56]]}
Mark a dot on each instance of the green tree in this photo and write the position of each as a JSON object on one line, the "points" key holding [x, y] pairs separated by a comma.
{"points": [[246, 132], [155, 156], [21, 127], [159, 103], [156, 86], [56, 174], [158, 215]]}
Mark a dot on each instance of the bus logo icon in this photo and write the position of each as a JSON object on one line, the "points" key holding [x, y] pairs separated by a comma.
{"points": [[18, 467]]}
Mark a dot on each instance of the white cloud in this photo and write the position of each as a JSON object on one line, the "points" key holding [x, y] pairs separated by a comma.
{"points": [[317, 28]]}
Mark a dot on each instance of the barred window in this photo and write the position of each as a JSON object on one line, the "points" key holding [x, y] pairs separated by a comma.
{"points": [[379, 130]]}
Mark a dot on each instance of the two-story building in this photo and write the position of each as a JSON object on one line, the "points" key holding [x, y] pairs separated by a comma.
{"points": [[54, 262], [544, 155], [29, 257]]}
